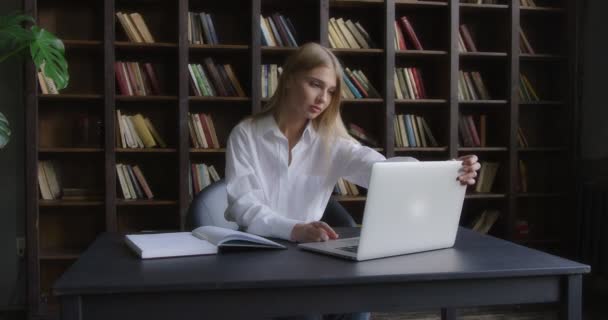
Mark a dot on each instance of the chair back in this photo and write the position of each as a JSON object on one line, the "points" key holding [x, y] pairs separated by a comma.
{"points": [[208, 207]]}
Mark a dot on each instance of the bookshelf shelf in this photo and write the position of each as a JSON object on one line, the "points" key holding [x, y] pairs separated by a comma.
{"points": [[69, 97], [349, 198], [480, 102], [483, 149], [482, 55], [77, 130], [144, 46], [146, 150], [541, 195], [471, 7], [277, 50], [363, 101], [150, 203], [541, 57], [542, 149], [59, 254], [82, 44], [420, 4], [362, 52], [421, 53], [218, 99], [429, 102], [145, 98], [533, 10], [70, 150], [211, 151], [218, 48], [70, 203], [477, 196], [420, 149]]}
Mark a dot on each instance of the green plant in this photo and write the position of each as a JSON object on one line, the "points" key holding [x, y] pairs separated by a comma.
{"points": [[46, 50]]}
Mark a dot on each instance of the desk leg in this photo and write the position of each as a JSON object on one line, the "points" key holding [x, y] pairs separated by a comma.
{"points": [[448, 314], [572, 290], [71, 308]]}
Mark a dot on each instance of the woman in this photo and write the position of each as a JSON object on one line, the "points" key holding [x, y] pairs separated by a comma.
{"points": [[283, 163]]}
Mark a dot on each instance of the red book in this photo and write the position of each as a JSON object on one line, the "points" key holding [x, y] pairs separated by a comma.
{"points": [[152, 77], [473, 130], [135, 85], [121, 79], [206, 130], [400, 38], [419, 83], [410, 33]]}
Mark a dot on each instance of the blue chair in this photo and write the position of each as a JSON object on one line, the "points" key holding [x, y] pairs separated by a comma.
{"points": [[208, 206]]}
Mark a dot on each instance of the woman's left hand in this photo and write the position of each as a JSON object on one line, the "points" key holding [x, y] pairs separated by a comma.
{"points": [[469, 169]]}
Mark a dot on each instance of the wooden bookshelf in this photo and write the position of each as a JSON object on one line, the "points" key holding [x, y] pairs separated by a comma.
{"points": [[77, 129]]}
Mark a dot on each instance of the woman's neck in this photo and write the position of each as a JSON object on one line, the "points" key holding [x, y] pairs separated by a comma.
{"points": [[291, 126]]}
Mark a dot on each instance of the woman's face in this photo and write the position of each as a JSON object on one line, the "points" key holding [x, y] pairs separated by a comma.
{"points": [[311, 91]]}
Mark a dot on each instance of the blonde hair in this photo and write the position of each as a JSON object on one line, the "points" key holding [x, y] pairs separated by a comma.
{"points": [[328, 124]]}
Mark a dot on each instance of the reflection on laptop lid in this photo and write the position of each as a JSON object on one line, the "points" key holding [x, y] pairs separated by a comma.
{"points": [[411, 207]]}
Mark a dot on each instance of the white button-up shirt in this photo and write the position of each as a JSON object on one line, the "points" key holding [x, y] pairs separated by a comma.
{"points": [[267, 195]]}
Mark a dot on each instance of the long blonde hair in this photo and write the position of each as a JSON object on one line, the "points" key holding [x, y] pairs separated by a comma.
{"points": [[328, 124]]}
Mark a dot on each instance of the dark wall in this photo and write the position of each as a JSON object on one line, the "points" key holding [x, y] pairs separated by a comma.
{"points": [[12, 158], [594, 106]]}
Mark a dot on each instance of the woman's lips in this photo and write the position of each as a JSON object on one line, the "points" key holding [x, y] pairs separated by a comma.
{"points": [[315, 109]]}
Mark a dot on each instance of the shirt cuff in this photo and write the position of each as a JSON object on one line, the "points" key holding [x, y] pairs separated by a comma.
{"points": [[282, 227]]}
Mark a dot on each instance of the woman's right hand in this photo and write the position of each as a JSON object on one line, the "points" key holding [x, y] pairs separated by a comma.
{"points": [[315, 231]]}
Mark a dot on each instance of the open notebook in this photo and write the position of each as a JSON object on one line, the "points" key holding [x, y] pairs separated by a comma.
{"points": [[202, 240]]}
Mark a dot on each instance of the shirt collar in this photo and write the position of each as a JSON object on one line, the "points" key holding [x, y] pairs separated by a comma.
{"points": [[268, 125]]}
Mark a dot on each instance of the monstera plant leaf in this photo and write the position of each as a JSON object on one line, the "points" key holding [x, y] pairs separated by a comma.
{"points": [[48, 52], [5, 131]]}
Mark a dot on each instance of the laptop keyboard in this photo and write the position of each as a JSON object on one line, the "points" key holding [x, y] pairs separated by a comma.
{"points": [[350, 249]]}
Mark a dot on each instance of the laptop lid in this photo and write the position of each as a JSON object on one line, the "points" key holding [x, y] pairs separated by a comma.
{"points": [[411, 207]]}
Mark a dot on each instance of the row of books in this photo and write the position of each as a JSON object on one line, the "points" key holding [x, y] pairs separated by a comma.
{"points": [[270, 74], [137, 131], [484, 222], [481, 1], [135, 27], [136, 79], [412, 131], [465, 39], [48, 181], [526, 91], [278, 31], [132, 182], [201, 29], [486, 177], [471, 87], [408, 84], [202, 131], [405, 36], [346, 188], [200, 176], [522, 141], [46, 84], [214, 80], [348, 35], [360, 135], [524, 44], [470, 136], [357, 85]]}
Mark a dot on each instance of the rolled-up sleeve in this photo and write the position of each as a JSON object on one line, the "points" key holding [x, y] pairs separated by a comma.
{"points": [[247, 204]]}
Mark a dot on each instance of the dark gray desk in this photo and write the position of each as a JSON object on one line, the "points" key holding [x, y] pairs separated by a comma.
{"points": [[109, 282]]}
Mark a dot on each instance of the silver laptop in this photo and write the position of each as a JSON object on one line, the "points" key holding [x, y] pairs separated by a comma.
{"points": [[411, 207]]}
